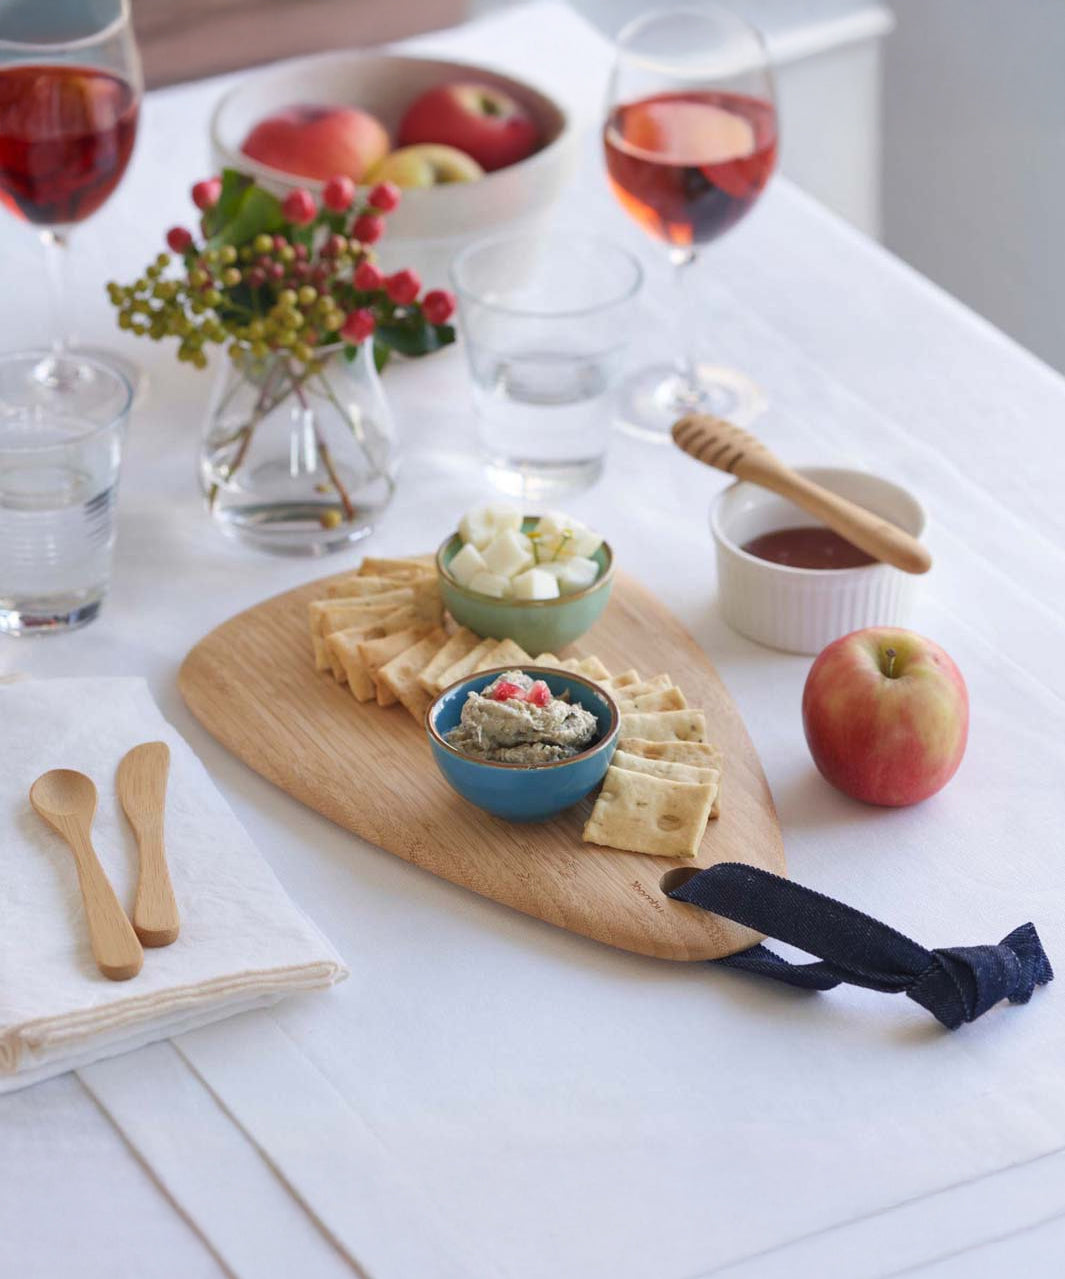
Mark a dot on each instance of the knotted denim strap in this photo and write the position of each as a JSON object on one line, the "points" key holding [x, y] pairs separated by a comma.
{"points": [[955, 985]]}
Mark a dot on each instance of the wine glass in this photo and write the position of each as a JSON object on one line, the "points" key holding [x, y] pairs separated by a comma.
{"points": [[690, 141], [70, 90]]}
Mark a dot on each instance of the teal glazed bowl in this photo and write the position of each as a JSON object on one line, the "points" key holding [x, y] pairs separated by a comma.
{"points": [[522, 792], [539, 626]]}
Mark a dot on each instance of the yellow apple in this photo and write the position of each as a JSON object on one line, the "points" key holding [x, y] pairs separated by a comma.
{"points": [[426, 165]]}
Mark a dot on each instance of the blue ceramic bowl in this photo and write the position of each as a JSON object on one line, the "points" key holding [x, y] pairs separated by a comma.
{"points": [[521, 792]]}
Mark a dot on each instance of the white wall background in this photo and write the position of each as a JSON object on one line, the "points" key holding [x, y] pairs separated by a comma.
{"points": [[974, 157]]}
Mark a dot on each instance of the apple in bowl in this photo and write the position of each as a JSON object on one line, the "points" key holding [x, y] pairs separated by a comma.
{"points": [[483, 121], [426, 165], [886, 715], [319, 142]]}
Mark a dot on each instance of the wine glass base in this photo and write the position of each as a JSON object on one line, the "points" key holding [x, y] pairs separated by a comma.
{"points": [[649, 401]]}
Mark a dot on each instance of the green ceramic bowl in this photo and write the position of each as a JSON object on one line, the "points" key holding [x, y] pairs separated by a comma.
{"points": [[539, 626]]}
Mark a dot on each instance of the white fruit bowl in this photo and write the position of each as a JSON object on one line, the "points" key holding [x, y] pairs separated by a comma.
{"points": [[801, 610], [433, 223]]}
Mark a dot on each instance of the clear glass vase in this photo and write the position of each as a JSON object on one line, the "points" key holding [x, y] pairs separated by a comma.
{"points": [[299, 460]]}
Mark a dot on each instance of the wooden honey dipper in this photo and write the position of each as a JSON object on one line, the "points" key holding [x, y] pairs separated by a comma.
{"points": [[719, 444]]}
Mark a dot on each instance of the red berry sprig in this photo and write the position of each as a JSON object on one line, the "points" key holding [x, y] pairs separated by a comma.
{"points": [[299, 290]]}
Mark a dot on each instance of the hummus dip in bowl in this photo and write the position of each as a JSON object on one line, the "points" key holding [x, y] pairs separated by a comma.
{"points": [[522, 761]]}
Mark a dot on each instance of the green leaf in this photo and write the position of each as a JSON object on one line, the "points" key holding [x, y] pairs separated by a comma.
{"points": [[242, 212], [234, 185], [414, 336]]}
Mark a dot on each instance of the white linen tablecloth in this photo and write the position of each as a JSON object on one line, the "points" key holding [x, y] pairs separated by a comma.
{"points": [[559, 1108]]}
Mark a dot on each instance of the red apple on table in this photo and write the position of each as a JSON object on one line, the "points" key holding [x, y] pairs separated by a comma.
{"points": [[318, 142], [886, 714], [485, 122]]}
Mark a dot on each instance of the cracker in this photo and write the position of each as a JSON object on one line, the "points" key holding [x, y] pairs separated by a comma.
{"points": [[462, 642], [697, 754], [334, 615], [409, 566], [352, 650], [400, 675], [352, 586], [366, 628], [625, 680], [464, 666], [666, 768], [660, 699], [664, 726], [653, 685], [546, 659], [645, 814], [504, 653]]}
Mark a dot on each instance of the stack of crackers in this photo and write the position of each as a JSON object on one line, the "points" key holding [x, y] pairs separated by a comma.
{"points": [[664, 782], [383, 632]]}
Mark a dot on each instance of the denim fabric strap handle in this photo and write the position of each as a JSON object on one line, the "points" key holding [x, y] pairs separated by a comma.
{"points": [[956, 985]]}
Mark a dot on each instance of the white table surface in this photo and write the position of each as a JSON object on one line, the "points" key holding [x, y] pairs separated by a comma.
{"points": [[540, 1105]]}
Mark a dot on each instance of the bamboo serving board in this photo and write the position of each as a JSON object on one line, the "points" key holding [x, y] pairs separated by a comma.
{"points": [[252, 684]]}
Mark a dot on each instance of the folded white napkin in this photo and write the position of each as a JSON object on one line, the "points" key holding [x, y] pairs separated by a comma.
{"points": [[243, 942]]}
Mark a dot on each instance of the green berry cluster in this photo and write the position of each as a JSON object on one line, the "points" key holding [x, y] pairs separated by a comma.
{"points": [[268, 295]]}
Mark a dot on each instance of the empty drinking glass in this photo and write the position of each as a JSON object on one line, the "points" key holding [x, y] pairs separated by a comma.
{"points": [[59, 459], [546, 323]]}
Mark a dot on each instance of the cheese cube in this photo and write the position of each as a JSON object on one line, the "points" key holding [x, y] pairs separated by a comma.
{"points": [[577, 574], [551, 532], [476, 528], [534, 584], [508, 553], [481, 524], [560, 536], [503, 516], [555, 567], [493, 584], [584, 543], [467, 564]]}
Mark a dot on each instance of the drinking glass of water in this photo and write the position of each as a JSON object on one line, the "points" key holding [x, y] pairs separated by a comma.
{"points": [[546, 322], [60, 450]]}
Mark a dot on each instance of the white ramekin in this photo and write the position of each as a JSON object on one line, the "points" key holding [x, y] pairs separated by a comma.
{"points": [[801, 610]]}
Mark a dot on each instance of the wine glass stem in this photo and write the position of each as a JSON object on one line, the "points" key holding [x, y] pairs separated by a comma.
{"points": [[55, 259], [687, 394]]}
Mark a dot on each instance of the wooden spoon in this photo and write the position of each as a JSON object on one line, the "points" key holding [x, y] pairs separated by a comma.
{"points": [[142, 791], [720, 444], [67, 802]]}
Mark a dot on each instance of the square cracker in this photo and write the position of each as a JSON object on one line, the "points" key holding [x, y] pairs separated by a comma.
{"points": [[334, 615], [400, 675], [653, 685], [351, 648], [462, 642], [696, 754], [664, 726], [366, 629], [660, 699], [503, 653], [590, 667], [673, 771], [668, 769], [645, 814], [409, 566], [545, 659], [625, 680], [352, 586], [464, 666]]}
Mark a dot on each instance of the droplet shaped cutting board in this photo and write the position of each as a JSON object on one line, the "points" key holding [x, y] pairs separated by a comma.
{"points": [[252, 684]]}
